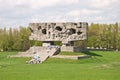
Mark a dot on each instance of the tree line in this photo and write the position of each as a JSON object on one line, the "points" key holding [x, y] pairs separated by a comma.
{"points": [[104, 36], [16, 39], [99, 36]]}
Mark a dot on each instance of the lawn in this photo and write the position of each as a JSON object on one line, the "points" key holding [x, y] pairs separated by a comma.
{"points": [[103, 65]]}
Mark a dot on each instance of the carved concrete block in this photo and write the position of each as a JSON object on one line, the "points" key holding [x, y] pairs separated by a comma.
{"points": [[64, 32]]}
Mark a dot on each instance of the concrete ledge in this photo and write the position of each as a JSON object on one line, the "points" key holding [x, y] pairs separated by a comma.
{"points": [[71, 57]]}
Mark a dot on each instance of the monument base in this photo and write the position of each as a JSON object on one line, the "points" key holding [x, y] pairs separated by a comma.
{"points": [[70, 48], [47, 43]]}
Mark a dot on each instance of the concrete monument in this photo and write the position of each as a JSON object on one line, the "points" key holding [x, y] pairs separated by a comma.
{"points": [[66, 32]]}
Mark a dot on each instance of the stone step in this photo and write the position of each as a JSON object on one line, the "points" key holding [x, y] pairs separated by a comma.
{"points": [[76, 57], [43, 52]]}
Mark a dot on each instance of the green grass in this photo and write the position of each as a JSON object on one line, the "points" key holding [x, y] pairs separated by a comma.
{"points": [[103, 65]]}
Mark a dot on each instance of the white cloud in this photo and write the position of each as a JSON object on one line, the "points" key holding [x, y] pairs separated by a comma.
{"points": [[70, 1], [36, 3], [74, 13], [13, 23], [42, 3], [21, 12], [82, 12], [47, 3], [57, 18], [103, 3], [89, 12], [0, 19], [49, 18], [99, 18]]}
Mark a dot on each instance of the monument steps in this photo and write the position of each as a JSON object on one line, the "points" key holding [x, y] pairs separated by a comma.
{"points": [[43, 52]]}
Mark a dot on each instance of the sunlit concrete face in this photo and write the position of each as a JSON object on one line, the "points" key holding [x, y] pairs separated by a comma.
{"points": [[64, 32]]}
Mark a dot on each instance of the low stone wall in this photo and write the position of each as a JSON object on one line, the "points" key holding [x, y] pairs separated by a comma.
{"points": [[71, 48], [71, 57], [67, 48]]}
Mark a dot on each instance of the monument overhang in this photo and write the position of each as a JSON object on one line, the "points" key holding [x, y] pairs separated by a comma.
{"points": [[65, 32]]}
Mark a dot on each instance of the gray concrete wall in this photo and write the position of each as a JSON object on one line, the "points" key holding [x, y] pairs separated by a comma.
{"points": [[58, 31]]}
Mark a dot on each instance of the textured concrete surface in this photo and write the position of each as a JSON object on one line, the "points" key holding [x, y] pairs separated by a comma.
{"points": [[64, 32]]}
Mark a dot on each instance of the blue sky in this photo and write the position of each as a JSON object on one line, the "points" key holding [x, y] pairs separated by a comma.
{"points": [[15, 13]]}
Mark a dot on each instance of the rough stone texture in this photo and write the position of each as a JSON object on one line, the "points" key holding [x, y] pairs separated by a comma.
{"points": [[64, 32]]}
